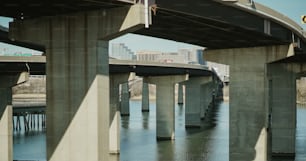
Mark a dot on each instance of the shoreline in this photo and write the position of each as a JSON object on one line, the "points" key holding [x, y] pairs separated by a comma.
{"points": [[133, 98]]}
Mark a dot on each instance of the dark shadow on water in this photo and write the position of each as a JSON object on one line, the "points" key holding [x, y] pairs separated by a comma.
{"points": [[209, 122], [125, 122], [283, 159]]}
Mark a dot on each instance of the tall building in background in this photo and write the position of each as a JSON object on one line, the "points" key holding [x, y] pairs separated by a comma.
{"points": [[122, 52], [185, 56], [146, 55], [199, 56]]}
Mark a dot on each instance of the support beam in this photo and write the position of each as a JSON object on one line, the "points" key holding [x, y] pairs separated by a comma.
{"points": [[125, 99], [114, 126], [6, 113], [180, 95], [6, 129], [194, 109], [282, 95], [165, 103], [248, 97], [145, 101], [78, 91]]}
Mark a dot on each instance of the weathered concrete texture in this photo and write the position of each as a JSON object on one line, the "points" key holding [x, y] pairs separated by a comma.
{"points": [[78, 104], [125, 100], [248, 98], [145, 97], [114, 126], [78, 77], [194, 108], [165, 103], [282, 95]]}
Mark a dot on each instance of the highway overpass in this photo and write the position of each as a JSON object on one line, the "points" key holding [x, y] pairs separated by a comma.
{"points": [[265, 51]]}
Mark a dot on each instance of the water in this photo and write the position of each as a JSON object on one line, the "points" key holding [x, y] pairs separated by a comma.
{"points": [[301, 134], [138, 138]]}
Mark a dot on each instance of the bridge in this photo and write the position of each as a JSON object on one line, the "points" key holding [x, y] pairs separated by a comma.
{"points": [[265, 51], [200, 82]]}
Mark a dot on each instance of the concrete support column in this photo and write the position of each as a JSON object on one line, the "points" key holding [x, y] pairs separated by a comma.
{"points": [[145, 101], [282, 95], [114, 126], [248, 98], [180, 95], [194, 108], [6, 124], [248, 112], [165, 103], [125, 99], [6, 113], [78, 76], [77, 102]]}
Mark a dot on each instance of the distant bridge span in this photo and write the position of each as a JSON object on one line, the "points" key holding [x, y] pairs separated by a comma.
{"points": [[245, 35], [36, 65]]}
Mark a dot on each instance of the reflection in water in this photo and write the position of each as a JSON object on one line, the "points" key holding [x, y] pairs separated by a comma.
{"points": [[125, 122], [145, 120], [139, 142], [181, 109], [165, 150], [301, 134], [30, 145], [138, 138]]}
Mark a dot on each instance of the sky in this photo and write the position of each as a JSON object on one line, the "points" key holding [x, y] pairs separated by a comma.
{"points": [[293, 9], [290, 8]]}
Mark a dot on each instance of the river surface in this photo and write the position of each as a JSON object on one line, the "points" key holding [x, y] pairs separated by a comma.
{"points": [[138, 138]]}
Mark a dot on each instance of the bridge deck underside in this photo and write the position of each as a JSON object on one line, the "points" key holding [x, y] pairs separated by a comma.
{"points": [[157, 71], [21, 9], [205, 32], [12, 68]]}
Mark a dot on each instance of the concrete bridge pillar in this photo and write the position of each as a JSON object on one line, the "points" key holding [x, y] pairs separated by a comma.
{"points": [[125, 99], [78, 108], [248, 97], [180, 95], [165, 103], [114, 126], [282, 95], [145, 101], [194, 108], [6, 113]]}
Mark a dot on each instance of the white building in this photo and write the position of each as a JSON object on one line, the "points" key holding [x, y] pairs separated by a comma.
{"points": [[146, 55]]}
